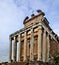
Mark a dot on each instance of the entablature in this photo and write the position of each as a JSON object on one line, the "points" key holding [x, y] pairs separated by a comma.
{"points": [[42, 23], [34, 18]]}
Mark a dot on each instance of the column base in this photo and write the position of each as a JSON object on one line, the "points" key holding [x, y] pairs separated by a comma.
{"points": [[10, 61], [24, 60], [42, 63], [32, 63], [39, 63], [35, 63]]}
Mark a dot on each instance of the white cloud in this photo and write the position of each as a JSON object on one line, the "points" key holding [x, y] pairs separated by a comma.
{"points": [[10, 21]]}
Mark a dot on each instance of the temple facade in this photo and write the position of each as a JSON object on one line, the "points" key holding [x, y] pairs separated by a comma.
{"points": [[36, 41]]}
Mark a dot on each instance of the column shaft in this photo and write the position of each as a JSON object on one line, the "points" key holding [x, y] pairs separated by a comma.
{"points": [[10, 50], [15, 49], [48, 47], [19, 48], [39, 42], [44, 46], [25, 46], [32, 46]]}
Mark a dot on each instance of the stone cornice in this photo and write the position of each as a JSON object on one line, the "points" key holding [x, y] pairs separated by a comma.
{"points": [[37, 24], [33, 17]]}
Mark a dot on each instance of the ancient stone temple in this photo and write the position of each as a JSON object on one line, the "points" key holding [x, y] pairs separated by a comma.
{"points": [[37, 43]]}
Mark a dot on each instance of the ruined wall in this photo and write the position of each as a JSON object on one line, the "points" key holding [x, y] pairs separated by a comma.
{"points": [[58, 47]]}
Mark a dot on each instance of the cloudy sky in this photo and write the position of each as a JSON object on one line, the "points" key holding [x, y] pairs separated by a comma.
{"points": [[13, 12]]}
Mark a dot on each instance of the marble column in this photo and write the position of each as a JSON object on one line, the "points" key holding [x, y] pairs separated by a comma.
{"points": [[15, 50], [19, 48], [10, 50], [32, 46], [48, 47], [39, 43], [25, 46], [44, 47]]}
